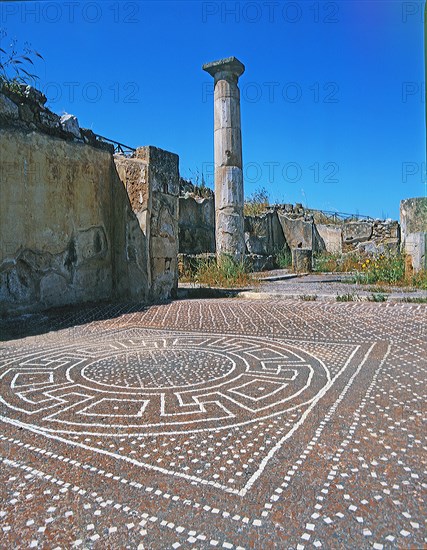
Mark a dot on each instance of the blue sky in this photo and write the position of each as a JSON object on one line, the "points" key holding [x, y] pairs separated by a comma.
{"points": [[332, 98]]}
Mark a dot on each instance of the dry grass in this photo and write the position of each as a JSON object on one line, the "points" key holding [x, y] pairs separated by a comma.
{"points": [[223, 273], [337, 263]]}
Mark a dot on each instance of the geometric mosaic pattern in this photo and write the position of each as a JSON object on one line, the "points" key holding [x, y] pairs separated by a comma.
{"points": [[153, 432]]}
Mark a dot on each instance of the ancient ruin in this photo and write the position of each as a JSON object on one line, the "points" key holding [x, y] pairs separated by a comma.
{"points": [[77, 222], [245, 423], [228, 156], [413, 219]]}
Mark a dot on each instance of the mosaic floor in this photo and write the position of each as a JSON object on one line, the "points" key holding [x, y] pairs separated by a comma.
{"points": [[216, 423]]}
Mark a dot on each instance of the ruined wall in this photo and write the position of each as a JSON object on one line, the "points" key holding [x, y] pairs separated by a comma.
{"points": [[68, 231], [413, 219], [371, 236], [196, 225], [66, 225], [264, 234], [300, 231], [413, 216], [151, 179]]}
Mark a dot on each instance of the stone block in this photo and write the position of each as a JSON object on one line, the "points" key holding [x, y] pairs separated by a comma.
{"points": [[8, 108], [302, 260], [229, 226], [163, 169], [298, 233], [258, 262], [416, 249], [196, 225], [356, 232], [331, 236], [70, 124], [230, 191], [413, 216], [255, 244], [264, 234]]}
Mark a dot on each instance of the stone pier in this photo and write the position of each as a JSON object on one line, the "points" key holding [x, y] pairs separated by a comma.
{"points": [[229, 219]]}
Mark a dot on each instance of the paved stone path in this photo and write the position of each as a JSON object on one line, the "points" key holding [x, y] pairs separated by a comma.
{"points": [[215, 423], [327, 286]]}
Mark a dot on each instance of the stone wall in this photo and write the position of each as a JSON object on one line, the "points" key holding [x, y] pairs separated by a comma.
{"points": [[68, 231], [371, 236], [196, 225], [66, 225], [285, 226], [413, 220], [151, 179], [263, 234], [300, 231]]}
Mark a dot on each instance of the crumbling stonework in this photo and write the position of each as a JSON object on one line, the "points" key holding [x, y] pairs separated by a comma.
{"points": [[69, 231], [286, 227], [23, 107], [300, 231], [65, 220], [302, 259], [264, 234], [331, 236], [413, 219], [151, 179], [196, 225]]}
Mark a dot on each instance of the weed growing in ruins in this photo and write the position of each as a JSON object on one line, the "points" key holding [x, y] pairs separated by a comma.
{"points": [[385, 268], [16, 67], [378, 270], [330, 262], [418, 279], [415, 300], [224, 272], [345, 297], [377, 297], [257, 203], [283, 258], [308, 297]]}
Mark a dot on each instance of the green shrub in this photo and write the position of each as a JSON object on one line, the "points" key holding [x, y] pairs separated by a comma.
{"points": [[345, 297], [336, 262], [283, 258], [377, 297], [385, 268]]}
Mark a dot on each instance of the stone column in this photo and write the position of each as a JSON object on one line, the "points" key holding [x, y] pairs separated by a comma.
{"points": [[230, 237]]}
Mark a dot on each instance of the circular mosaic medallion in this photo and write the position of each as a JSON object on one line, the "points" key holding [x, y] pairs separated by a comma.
{"points": [[161, 384]]}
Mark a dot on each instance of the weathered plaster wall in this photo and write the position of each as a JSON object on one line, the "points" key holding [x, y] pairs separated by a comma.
{"points": [[67, 228], [152, 183]]}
